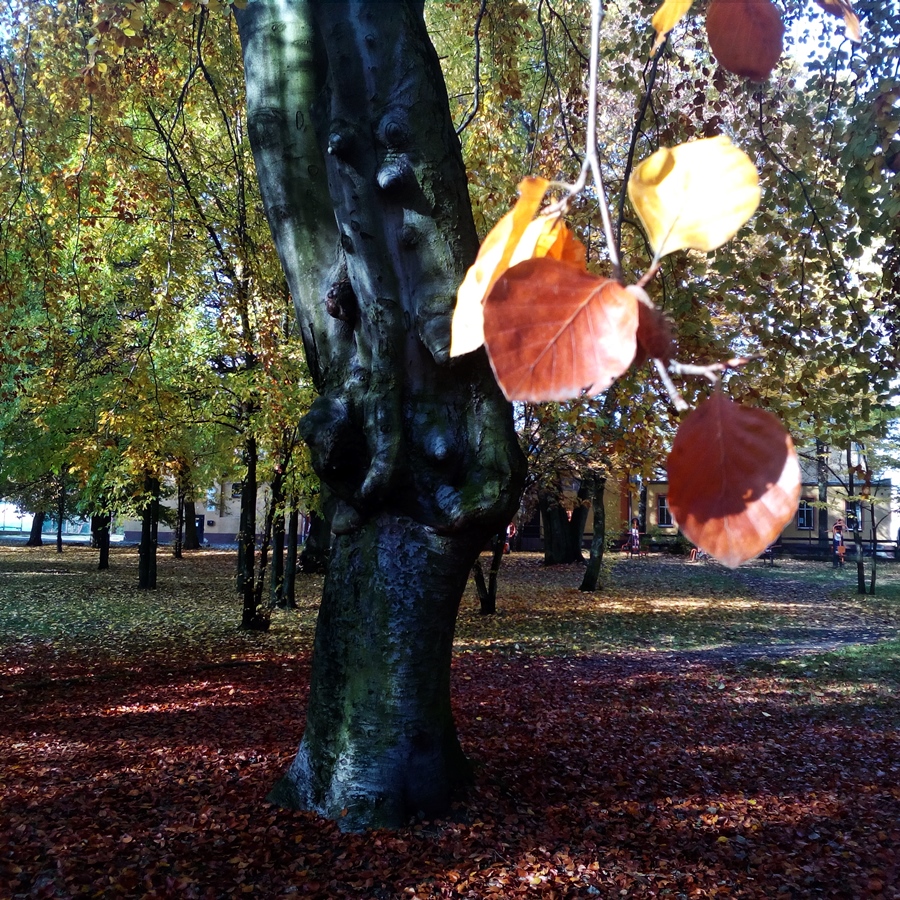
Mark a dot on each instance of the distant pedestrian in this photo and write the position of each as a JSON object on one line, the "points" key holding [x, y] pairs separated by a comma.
{"points": [[837, 544]]}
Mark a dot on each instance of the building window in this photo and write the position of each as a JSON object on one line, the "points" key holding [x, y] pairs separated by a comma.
{"points": [[663, 513], [211, 500], [237, 488], [806, 516]]}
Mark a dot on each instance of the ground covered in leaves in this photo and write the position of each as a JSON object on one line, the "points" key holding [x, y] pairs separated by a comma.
{"points": [[627, 743]]}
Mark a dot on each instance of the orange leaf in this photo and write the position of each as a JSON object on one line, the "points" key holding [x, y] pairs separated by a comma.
{"points": [[746, 36], [734, 479], [554, 330], [494, 258]]}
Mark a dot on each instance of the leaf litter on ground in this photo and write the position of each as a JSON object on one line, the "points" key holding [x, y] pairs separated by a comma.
{"points": [[141, 732]]}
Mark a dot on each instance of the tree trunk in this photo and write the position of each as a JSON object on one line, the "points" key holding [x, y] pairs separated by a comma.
{"points": [[857, 534], [591, 580], [100, 526], [822, 479], [362, 177], [289, 594], [563, 532], [36, 535], [487, 589], [60, 513], [252, 617], [178, 537], [873, 575], [314, 558], [277, 509], [380, 743], [149, 535], [191, 539]]}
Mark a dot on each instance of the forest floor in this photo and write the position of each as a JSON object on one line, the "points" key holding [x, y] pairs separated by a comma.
{"points": [[687, 731]]}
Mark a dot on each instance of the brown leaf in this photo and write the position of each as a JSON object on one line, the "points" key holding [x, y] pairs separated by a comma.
{"points": [[554, 330], [746, 36], [734, 479], [654, 331]]}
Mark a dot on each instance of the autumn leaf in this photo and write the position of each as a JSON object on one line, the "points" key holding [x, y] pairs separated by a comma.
{"points": [[494, 258], [746, 36], [694, 196], [654, 331], [734, 479], [667, 17], [554, 330], [843, 9]]}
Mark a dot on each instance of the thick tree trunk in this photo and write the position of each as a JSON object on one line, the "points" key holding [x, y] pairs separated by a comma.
{"points": [[380, 743], [149, 535], [191, 539], [100, 526], [362, 177], [178, 537], [36, 535], [591, 580], [563, 531]]}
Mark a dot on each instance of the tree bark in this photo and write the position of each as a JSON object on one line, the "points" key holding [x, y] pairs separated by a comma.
{"points": [[314, 558], [277, 510], [60, 513], [563, 532], [822, 479], [362, 177], [35, 536], [487, 588], [289, 594], [253, 618], [100, 527], [191, 539], [591, 580], [149, 535]]}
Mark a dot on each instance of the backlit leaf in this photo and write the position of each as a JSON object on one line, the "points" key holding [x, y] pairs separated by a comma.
{"points": [[493, 259], [843, 9], [667, 17], [554, 330], [694, 196], [734, 479], [745, 36]]}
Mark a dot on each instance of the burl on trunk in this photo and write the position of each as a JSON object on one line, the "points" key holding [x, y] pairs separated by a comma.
{"points": [[363, 182]]}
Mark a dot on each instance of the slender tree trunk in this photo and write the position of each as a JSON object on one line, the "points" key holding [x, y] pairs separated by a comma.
{"points": [[289, 594], [591, 580], [487, 589], [191, 539], [149, 535], [60, 513], [36, 535], [178, 541], [822, 479], [362, 177], [253, 618], [857, 534], [276, 592]]}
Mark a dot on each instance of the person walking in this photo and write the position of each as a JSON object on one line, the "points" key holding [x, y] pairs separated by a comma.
{"points": [[837, 544]]}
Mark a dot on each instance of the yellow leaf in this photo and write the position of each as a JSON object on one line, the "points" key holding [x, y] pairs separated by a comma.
{"points": [[843, 9], [694, 196], [667, 17], [494, 258]]}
